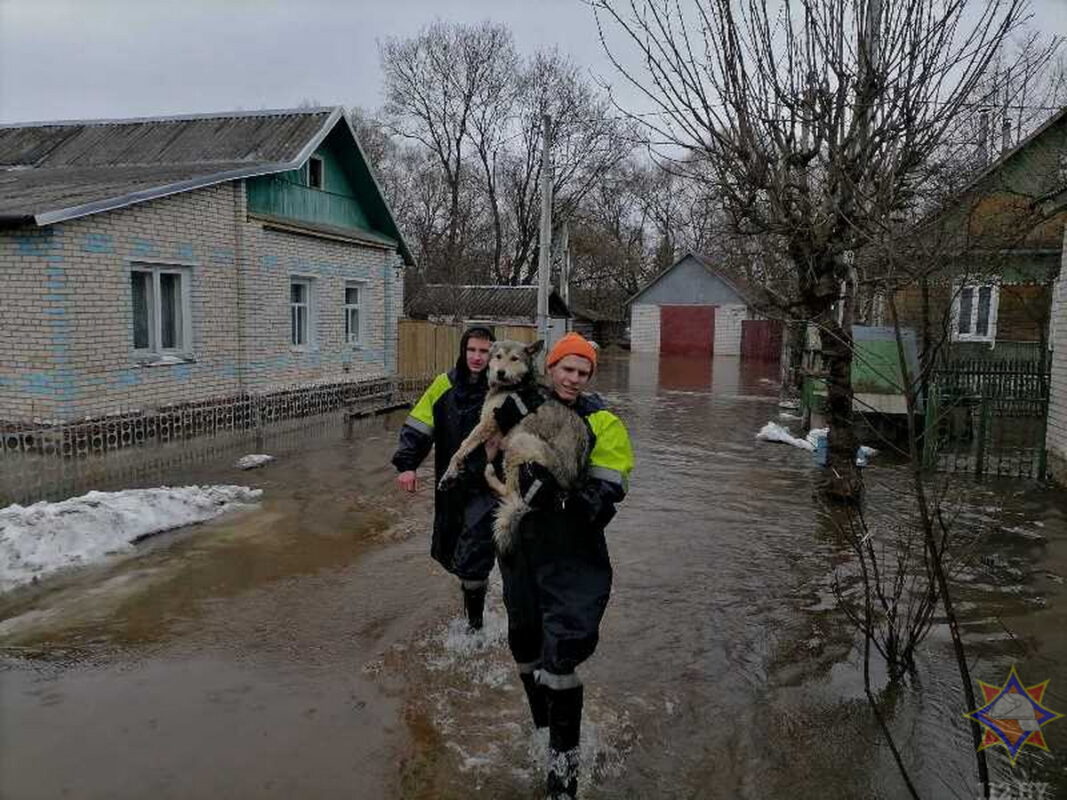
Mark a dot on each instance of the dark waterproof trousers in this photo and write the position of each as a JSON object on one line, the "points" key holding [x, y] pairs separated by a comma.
{"points": [[473, 551], [557, 581]]}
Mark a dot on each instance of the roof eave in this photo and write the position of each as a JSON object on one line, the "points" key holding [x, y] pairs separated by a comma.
{"points": [[132, 198]]}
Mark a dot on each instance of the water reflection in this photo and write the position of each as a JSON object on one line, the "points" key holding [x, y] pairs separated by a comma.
{"points": [[725, 668]]}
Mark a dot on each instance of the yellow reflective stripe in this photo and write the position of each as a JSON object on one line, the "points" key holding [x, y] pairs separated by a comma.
{"points": [[612, 452], [423, 410]]}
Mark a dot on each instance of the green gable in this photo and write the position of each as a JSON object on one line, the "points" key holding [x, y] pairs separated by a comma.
{"points": [[349, 199]]}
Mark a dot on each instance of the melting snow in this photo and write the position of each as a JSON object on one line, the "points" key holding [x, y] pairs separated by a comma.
{"points": [[39, 539]]}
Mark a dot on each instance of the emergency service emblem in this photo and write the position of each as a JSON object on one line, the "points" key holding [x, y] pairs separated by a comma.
{"points": [[1013, 715]]}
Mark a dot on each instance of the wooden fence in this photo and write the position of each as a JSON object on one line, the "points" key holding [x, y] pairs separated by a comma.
{"points": [[425, 348]]}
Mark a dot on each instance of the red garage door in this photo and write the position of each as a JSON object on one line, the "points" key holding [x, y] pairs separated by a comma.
{"points": [[686, 330], [761, 339]]}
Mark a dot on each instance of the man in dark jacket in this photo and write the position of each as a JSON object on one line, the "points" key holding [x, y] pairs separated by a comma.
{"points": [[463, 519], [557, 576]]}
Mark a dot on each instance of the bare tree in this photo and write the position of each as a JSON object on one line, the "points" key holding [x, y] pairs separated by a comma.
{"points": [[433, 83], [816, 118]]}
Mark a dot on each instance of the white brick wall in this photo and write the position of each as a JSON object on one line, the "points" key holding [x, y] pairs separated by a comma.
{"points": [[1056, 437], [728, 329], [66, 341], [644, 328]]}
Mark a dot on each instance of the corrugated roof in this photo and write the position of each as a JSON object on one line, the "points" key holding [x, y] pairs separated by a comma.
{"points": [[481, 302], [35, 194], [260, 137], [55, 171]]}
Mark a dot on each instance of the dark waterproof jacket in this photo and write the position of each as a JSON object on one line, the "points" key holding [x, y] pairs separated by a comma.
{"points": [[446, 413], [557, 579]]}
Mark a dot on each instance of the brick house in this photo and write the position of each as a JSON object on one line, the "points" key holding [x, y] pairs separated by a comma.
{"points": [[156, 262], [1002, 247]]}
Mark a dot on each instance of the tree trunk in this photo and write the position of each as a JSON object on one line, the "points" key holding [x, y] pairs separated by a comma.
{"points": [[841, 482]]}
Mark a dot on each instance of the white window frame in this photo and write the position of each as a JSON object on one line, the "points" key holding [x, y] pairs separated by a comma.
{"points": [[990, 337], [359, 308], [322, 173], [155, 351], [309, 316]]}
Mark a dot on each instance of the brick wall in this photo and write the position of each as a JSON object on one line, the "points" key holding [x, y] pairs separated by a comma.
{"points": [[1056, 437], [644, 328], [66, 335], [728, 329]]}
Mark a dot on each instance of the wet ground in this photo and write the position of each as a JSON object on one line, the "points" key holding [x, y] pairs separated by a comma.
{"points": [[310, 648]]}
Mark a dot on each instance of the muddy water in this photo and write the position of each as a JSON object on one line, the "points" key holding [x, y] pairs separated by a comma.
{"points": [[310, 648]]}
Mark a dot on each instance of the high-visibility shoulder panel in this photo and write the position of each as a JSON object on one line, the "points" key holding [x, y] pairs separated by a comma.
{"points": [[612, 458], [421, 417]]}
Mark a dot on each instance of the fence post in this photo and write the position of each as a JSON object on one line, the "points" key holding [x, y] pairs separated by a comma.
{"points": [[930, 432], [983, 426]]}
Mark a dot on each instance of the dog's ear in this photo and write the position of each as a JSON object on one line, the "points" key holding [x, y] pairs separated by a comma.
{"points": [[535, 348]]}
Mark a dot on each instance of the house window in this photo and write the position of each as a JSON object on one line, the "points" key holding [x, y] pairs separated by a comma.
{"points": [[300, 312], [315, 172], [975, 313], [353, 297], [160, 310]]}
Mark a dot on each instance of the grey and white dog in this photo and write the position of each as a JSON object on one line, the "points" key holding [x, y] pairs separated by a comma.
{"points": [[552, 435]]}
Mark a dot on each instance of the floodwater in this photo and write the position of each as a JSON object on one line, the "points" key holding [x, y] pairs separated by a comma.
{"points": [[310, 648]]}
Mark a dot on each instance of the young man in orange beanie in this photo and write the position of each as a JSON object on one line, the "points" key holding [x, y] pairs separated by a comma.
{"points": [[557, 577]]}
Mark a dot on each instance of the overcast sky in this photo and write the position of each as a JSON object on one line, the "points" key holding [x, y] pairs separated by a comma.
{"points": [[85, 59]]}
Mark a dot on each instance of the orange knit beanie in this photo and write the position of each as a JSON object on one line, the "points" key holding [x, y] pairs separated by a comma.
{"points": [[572, 344]]}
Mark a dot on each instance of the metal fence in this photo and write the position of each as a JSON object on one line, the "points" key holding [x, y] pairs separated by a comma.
{"points": [[52, 460], [989, 417]]}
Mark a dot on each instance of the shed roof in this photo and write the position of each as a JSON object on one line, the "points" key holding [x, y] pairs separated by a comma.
{"points": [[482, 302], [55, 171]]}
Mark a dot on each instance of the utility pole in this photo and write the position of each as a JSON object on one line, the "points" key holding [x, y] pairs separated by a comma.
{"points": [[544, 259], [565, 266]]}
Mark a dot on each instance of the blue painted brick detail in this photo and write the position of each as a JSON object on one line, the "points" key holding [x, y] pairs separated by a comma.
{"points": [[222, 255], [128, 377], [186, 252], [98, 243], [143, 248], [56, 283], [38, 244]]}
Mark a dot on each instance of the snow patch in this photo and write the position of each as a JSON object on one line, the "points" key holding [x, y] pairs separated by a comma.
{"points": [[252, 461], [39, 539]]}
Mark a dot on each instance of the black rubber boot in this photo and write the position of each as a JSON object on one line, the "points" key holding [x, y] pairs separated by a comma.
{"points": [[564, 733], [474, 605], [535, 696]]}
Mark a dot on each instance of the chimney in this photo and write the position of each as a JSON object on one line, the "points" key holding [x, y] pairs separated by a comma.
{"points": [[1005, 135]]}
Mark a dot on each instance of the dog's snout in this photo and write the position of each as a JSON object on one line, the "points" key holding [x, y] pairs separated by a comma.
{"points": [[501, 374]]}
